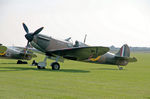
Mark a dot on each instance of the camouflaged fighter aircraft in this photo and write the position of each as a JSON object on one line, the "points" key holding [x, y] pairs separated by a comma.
{"points": [[121, 58], [17, 53], [58, 50]]}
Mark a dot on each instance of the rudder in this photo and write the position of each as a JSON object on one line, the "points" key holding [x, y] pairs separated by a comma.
{"points": [[124, 51]]}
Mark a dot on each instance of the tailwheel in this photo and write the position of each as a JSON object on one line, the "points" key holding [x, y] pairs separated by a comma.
{"points": [[120, 68], [55, 66]]}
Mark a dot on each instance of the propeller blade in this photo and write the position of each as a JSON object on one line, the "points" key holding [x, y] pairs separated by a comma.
{"points": [[85, 38], [25, 28], [38, 31]]}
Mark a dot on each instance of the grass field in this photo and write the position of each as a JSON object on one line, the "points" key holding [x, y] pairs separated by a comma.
{"points": [[76, 80]]}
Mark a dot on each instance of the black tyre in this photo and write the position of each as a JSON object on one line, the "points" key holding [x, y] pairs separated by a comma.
{"points": [[55, 66]]}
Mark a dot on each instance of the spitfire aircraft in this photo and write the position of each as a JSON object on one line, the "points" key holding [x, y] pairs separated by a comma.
{"points": [[17, 53], [59, 50]]}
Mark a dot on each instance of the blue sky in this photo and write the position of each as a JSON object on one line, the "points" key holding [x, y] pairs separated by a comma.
{"points": [[106, 22]]}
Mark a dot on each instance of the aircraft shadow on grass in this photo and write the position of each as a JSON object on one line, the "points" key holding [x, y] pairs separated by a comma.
{"points": [[23, 68], [15, 68], [102, 68], [105, 69], [73, 71], [7, 63]]}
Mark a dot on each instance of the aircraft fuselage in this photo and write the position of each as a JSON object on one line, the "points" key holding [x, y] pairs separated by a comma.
{"points": [[11, 53], [108, 58], [45, 43]]}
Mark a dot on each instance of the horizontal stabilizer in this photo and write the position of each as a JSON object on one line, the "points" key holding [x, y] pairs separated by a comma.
{"points": [[132, 59], [129, 59]]}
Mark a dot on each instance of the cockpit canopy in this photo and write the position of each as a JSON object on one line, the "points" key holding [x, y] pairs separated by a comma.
{"points": [[79, 44]]}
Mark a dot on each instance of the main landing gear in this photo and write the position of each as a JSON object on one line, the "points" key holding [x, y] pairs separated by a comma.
{"points": [[42, 65], [120, 68], [55, 66]]}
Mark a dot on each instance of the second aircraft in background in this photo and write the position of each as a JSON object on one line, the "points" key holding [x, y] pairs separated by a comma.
{"points": [[17, 53]]}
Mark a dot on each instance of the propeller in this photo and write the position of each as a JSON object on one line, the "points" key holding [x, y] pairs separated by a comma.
{"points": [[85, 38], [30, 36]]}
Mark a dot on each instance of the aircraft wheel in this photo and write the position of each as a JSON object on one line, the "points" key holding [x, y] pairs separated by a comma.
{"points": [[120, 68], [55, 66]]}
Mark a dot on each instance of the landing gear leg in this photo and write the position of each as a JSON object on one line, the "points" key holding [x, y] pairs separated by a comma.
{"points": [[55, 65], [120, 68], [42, 65]]}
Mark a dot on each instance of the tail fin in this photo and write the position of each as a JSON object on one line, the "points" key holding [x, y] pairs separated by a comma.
{"points": [[124, 51]]}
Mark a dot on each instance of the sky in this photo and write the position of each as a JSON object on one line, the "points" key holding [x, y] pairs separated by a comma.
{"points": [[106, 22]]}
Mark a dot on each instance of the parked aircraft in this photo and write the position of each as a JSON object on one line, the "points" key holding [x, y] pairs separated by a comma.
{"points": [[2, 49], [17, 53], [58, 49], [121, 58]]}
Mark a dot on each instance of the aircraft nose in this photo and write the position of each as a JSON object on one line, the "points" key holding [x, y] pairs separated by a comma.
{"points": [[29, 37]]}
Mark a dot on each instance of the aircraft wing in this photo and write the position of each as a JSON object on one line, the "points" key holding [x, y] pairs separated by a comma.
{"points": [[79, 53], [129, 59], [31, 50]]}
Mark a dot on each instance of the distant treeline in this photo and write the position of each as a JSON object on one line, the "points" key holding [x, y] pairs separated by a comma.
{"points": [[132, 49]]}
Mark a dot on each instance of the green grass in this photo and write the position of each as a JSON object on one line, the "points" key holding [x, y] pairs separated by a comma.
{"points": [[76, 80]]}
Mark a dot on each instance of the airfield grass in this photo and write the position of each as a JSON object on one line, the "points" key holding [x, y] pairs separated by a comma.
{"points": [[76, 80]]}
